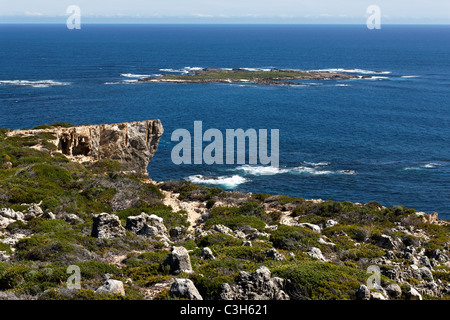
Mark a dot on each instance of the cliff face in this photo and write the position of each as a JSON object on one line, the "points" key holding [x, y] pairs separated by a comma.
{"points": [[132, 144]]}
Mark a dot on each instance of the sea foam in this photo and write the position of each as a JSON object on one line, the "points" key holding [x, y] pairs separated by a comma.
{"points": [[230, 181], [35, 84]]}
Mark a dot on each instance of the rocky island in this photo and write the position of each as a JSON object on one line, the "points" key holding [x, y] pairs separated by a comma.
{"points": [[67, 203], [258, 76]]}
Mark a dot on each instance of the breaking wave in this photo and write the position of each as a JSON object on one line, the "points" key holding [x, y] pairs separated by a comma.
{"points": [[34, 84], [230, 182], [261, 170]]}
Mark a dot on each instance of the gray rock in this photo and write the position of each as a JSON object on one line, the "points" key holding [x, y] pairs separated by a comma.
{"points": [[70, 218], [313, 227], [439, 256], [363, 293], [178, 261], [184, 288], [426, 274], [107, 226], [11, 214], [247, 243], [316, 253], [394, 290], [387, 242], [222, 229], [112, 286], [33, 211], [377, 296], [177, 232], [49, 215], [207, 254], [330, 223], [257, 285], [274, 254], [413, 294]]}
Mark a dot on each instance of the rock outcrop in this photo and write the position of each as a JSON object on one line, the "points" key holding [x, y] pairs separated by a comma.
{"points": [[132, 144], [258, 285], [178, 261], [184, 288], [107, 226]]}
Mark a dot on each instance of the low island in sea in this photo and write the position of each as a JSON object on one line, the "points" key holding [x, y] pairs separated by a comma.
{"points": [[257, 76], [81, 219]]}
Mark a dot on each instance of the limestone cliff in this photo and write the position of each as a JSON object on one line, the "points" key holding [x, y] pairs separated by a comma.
{"points": [[132, 144]]}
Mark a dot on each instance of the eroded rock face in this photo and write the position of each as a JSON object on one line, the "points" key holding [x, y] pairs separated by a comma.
{"points": [[132, 144]]}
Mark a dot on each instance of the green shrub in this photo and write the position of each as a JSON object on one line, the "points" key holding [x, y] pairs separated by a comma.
{"points": [[293, 238]]}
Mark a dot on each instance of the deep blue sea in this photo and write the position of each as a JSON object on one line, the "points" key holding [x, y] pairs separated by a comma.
{"points": [[385, 139]]}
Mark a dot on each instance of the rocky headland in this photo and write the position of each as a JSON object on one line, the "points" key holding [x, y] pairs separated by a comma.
{"points": [[68, 201]]}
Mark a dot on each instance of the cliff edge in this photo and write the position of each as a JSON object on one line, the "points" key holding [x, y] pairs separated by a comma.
{"points": [[132, 144]]}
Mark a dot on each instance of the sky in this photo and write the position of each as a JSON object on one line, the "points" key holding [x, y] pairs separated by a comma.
{"points": [[226, 11]]}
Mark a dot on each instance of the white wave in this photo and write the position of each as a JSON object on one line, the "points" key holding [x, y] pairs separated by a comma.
{"points": [[354, 71], [35, 84], [343, 85], [312, 171], [377, 78], [193, 68], [261, 170], [132, 75], [410, 76], [431, 165], [230, 182], [131, 81], [351, 172], [321, 163]]}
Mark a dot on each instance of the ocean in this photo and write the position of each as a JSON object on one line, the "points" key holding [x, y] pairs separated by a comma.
{"points": [[383, 139]]}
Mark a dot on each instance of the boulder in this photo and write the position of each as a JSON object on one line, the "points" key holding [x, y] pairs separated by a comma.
{"points": [[184, 288], [33, 211], [107, 226], [222, 229], [147, 225], [178, 261], [394, 290], [316, 253], [377, 296], [387, 242], [258, 285], [274, 254], [313, 227], [363, 293], [330, 223], [111, 286], [207, 254], [413, 294]]}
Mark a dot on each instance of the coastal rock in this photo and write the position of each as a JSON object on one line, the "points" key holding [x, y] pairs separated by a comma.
{"points": [[147, 225], [316, 253], [222, 229], [33, 211], [107, 226], [132, 144], [394, 290], [413, 294], [184, 288], [207, 254], [313, 227], [258, 285], [363, 293], [178, 261], [274, 254], [111, 286], [387, 242]]}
